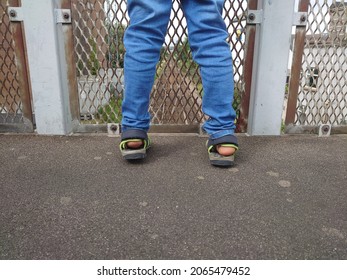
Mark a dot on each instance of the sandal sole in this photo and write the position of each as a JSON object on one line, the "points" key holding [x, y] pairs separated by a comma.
{"points": [[222, 163], [218, 160], [134, 154]]}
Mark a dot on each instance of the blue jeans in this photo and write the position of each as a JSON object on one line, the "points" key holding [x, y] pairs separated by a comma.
{"points": [[207, 38]]}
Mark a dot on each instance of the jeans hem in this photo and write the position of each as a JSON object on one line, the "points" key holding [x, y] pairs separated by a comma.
{"points": [[221, 133], [125, 128]]}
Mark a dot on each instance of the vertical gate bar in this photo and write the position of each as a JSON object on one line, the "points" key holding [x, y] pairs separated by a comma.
{"points": [[71, 70], [46, 65], [242, 120], [270, 67], [298, 50], [22, 70]]}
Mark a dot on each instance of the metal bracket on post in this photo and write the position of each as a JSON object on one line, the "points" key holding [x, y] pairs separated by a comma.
{"points": [[15, 13], [62, 15], [300, 19], [254, 16], [324, 130], [113, 129]]}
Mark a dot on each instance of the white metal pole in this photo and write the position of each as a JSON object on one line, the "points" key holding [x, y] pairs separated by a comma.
{"points": [[50, 94], [270, 67]]}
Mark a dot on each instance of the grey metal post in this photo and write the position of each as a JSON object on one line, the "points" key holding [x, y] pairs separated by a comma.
{"points": [[270, 66], [49, 85]]}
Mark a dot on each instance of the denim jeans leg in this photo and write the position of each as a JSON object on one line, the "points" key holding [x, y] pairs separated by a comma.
{"points": [[143, 40], [207, 38]]}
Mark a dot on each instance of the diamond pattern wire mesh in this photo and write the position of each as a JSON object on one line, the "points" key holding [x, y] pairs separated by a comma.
{"points": [[98, 27], [322, 97], [10, 98]]}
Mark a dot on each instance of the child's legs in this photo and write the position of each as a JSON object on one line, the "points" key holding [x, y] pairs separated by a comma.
{"points": [[143, 40], [207, 38]]}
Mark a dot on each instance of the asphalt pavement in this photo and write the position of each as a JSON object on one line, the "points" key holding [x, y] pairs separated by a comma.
{"points": [[74, 197]]}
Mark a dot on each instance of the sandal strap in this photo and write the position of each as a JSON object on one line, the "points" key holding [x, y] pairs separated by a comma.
{"points": [[123, 144], [227, 139], [146, 143], [134, 133]]}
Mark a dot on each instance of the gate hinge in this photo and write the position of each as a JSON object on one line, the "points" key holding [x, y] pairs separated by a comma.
{"points": [[300, 19], [62, 15], [254, 16], [15, 13]]}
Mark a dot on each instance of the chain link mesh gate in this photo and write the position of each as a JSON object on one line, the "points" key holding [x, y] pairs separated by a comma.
{"points": [[319, 96], [15, 101], [98, 28]]}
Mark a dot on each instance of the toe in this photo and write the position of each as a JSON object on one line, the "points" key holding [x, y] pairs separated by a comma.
{"points": [[225, 151], [134, 144]]}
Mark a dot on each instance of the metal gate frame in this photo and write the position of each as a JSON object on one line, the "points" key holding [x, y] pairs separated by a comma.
{"points": [[21, 75], [54, 73], [291, 127], [242, 120]]}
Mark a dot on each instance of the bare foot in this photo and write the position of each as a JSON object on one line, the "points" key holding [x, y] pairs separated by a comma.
{"points": [[225, 151], [134, 144]]}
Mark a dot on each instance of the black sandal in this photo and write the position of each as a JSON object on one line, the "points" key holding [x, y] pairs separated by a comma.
{"points": [[217, 159], [134, 135]]}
